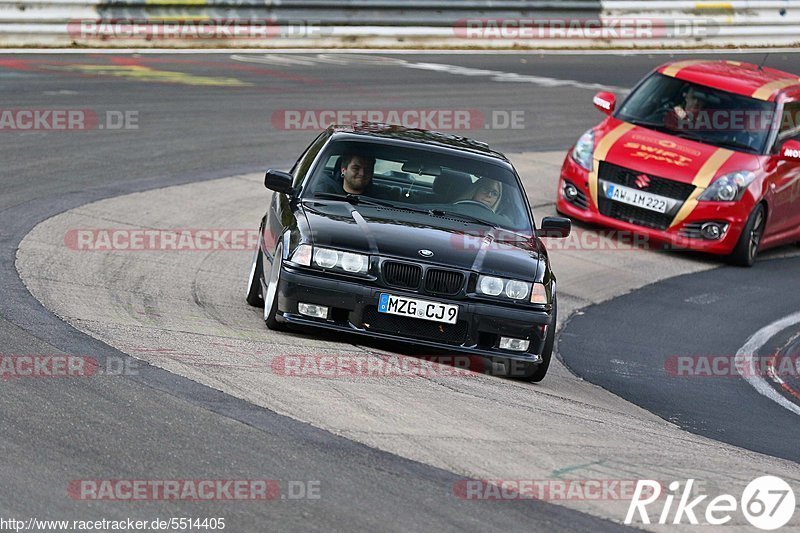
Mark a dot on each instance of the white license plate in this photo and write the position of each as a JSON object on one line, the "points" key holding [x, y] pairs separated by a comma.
{"points": [[400, 305], [642, 199]]}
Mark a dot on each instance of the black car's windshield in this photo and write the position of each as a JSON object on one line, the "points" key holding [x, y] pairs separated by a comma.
{"points": [[700, 113], [430, 182]]}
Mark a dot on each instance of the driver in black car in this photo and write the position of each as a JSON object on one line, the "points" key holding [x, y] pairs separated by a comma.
{"points": [[354, 176], [356, 172]]}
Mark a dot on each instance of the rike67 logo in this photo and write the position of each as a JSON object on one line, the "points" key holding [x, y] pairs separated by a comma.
{"points": [[767, 503]]}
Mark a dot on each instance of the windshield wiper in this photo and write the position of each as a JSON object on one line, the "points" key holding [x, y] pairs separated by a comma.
{"points": [[688, 136], [644, 123], [443, 213], [652, 125], [360, 200], [350, 198], [736, 145]]}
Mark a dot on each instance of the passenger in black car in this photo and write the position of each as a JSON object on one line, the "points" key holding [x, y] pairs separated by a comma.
{"points": [[488, 192]]}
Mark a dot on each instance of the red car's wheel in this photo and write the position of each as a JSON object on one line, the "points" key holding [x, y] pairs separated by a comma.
{"points": [[747, 247]]}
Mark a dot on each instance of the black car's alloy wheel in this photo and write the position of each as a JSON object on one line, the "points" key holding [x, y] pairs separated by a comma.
{"points": [[271, 295], [254, 296]]}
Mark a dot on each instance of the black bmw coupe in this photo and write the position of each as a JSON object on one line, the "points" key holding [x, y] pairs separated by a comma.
{"points": [[413, 236]]}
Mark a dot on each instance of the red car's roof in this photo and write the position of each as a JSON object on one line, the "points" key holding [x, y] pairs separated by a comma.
{"points": [[733, 76]]}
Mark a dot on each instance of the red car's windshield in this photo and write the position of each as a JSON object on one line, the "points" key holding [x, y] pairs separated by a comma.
{"points": [[700, 113]]}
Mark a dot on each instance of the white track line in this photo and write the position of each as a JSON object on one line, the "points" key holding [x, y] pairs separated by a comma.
{"points": [[494, 75], [746, 360]]}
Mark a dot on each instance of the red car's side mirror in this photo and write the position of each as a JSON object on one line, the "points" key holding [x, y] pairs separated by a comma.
{"points": [[605, 102], [790, 151]]}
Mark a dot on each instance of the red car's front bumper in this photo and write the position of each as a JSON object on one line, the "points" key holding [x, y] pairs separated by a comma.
{"points": [[683, 235]]}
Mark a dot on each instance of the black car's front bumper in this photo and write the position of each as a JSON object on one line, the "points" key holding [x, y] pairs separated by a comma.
{"points": [[353, 308]]}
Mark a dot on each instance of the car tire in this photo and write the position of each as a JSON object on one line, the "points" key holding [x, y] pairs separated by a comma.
{"points": [[535, 372], [254, 296], [539, 371], [746, 250], [271, 294]]}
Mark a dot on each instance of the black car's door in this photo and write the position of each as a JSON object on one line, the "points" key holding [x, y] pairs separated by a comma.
{"points": [[282, 212]]}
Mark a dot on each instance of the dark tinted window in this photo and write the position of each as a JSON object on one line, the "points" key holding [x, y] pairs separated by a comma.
{"points": [[790, 122], [429, 179]]}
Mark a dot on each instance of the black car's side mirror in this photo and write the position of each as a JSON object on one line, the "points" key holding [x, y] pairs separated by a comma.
{"points": [[276, 180], [555, 227]]}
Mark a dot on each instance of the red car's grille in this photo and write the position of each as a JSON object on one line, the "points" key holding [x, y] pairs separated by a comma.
{"points": [[654, 184], [659, 186], [634, 215]]}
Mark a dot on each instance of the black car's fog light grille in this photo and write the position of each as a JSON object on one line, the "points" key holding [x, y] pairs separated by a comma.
{"points": [[443, 281], [414, 327], [402, 275]]}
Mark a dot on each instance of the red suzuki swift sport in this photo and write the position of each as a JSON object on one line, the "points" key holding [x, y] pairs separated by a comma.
{"points": [[702, 155]]}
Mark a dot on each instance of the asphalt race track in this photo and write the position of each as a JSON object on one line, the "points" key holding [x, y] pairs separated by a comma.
{"points": [[202, 404], [710, 314]]}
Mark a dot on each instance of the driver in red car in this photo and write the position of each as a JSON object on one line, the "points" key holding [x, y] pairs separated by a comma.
{"points": [[693, 105], [685, 116]]}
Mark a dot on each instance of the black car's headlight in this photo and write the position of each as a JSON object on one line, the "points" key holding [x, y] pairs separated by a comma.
{"points": [[330, 259], [512, 289]]}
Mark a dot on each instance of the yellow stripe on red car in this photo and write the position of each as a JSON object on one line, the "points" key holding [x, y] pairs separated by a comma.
{"points": [[701, 181], [600, 153], [678, 66], [766, 91]]}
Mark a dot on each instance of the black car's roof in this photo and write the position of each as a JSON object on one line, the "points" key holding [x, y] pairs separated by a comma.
{"points": [[426, 137]]}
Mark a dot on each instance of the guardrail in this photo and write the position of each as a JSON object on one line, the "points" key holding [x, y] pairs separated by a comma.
{"points": [[734, 23], [413, 23]]}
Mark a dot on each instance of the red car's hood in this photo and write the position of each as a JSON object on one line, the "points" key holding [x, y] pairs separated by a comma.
{"points": [[663, 155]]}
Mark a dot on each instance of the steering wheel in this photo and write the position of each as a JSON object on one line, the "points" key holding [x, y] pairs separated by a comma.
{"points": [[474, 202]]}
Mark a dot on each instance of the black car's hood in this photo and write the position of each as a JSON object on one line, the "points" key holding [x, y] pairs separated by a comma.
{"points": [[402, 234]]}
